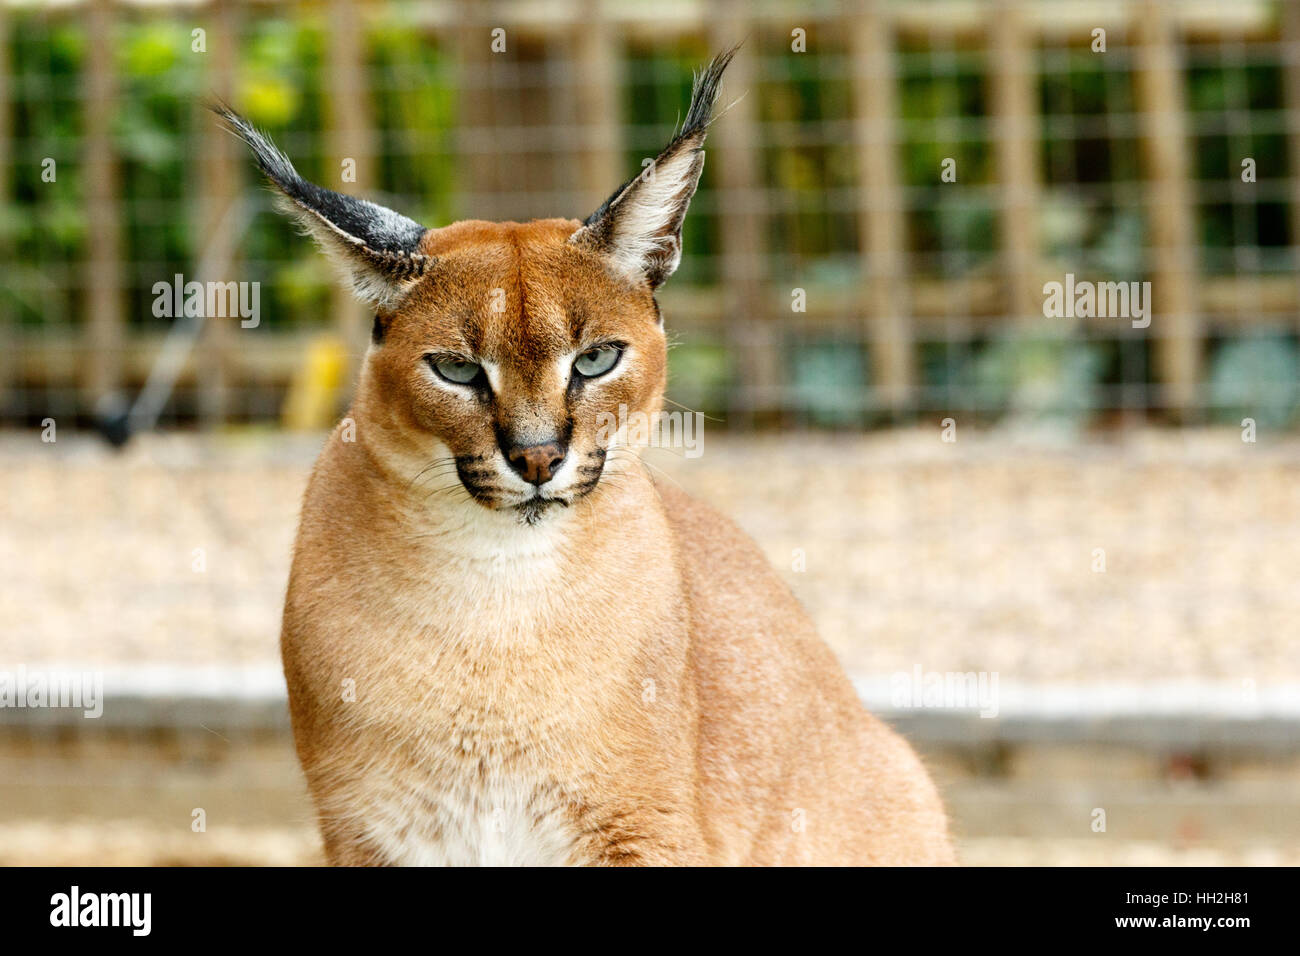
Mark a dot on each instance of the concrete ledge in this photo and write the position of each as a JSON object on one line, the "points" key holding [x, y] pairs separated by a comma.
{"points": [[153, 696], [1149, 715], [1180, 715]]}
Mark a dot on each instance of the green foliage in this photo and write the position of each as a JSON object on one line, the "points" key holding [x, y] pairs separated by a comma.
{"points": [[275, 59], [943, 116], [1256, 376], [417, 121], [829, 380], [1031, 378], [152, 49], [799, 99], [700, 376], [43, 225]]}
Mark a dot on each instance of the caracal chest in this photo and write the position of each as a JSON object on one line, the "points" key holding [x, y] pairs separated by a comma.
{"points": [[492, 820], [481, 706]]}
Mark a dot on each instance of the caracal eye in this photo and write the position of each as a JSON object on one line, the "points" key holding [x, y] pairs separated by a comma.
{"points": [[456, 370], [597, 361]]}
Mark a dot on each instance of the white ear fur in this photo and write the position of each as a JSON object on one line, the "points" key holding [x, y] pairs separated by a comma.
{"points": [[373, 247], [376, 277], [639, 229], [644, 238]]}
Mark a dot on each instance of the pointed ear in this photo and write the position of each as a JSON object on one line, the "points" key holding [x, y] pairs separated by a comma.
{"points": [[639, 228], [374, 247]]}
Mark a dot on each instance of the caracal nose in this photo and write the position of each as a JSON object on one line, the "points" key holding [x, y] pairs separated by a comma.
{"points": [[536, 463]]}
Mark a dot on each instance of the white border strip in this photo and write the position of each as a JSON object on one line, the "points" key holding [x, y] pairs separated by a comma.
{"points": [[1127, 700]]}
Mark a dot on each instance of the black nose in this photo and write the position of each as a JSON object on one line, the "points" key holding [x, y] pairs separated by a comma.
{"points": [[536, 463]]}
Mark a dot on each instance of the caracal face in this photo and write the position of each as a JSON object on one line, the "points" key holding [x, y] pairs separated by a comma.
{"points": [[509, 361]]}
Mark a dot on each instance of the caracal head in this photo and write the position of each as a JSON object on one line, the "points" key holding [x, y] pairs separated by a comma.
{"points": [[507, 358]]}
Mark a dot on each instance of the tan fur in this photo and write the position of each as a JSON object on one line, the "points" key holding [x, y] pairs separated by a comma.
{"points": [[624, 681]]}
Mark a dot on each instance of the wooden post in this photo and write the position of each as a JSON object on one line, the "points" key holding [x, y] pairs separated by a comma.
{"points": [[105, 331], [477, 168], [219, 179], [882, 225], [1014, 107], [351, 137], [503, 181], [1175, 326], [537, 109], [754, 337], [596, 105]]}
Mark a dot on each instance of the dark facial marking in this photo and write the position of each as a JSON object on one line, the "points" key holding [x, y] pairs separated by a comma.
{"points": [[482, 491]]}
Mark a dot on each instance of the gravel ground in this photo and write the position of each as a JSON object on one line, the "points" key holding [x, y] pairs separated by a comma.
{"points": [[128, 843], [974, 555]]}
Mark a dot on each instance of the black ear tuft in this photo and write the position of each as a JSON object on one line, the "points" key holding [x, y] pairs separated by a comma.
{"points": [[375, 246], [639, 228], [704, 94]]}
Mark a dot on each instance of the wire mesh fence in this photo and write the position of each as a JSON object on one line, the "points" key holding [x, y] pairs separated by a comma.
{"points": [[1071, 213]]}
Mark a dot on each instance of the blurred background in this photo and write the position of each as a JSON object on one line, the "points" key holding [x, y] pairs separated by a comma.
{"points": [[1097, 518]]}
